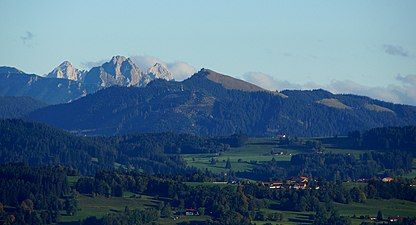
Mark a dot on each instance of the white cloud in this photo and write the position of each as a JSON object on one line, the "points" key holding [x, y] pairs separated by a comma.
{"points": [[180, 70], [395, 50], [268, 82], [27, 38], [404, 92], [90, 64], [146, 61]]}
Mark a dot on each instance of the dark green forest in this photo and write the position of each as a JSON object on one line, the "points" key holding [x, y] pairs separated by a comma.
{"points": [[37, 190], [34, 195], [203, 107], [17, 107], [39, 144]]}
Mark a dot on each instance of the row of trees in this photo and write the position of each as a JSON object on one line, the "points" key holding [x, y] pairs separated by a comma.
{"points": [[385, 138], [334, 166]]}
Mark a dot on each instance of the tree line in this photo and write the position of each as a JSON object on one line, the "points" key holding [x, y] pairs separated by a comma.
{"points": [[330, 166]]}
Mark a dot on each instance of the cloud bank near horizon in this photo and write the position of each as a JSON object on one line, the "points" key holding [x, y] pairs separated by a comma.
{"points": [[403, 93]]}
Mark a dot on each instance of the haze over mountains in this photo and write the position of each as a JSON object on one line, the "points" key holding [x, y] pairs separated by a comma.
{"points": [[66, 83], [118, 97]]}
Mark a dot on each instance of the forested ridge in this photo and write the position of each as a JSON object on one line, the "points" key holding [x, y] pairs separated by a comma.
{"points": [[335, 166], [16, 107], [39, 144], [385, 138], [203, 107]]}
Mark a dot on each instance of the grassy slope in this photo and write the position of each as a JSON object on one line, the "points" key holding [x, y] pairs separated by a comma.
{"points": [[257, 149], [392, 207], [100, 206]]}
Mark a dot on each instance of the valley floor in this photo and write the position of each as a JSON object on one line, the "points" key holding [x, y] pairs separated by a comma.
{"points": [[100, 206], [257, 150]]}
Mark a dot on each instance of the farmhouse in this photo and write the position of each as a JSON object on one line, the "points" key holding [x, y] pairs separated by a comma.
{"points": [[387, 179], [276, 185], [304, 179], [295, 183], [191, 212], [395, 219], [281, 136]]}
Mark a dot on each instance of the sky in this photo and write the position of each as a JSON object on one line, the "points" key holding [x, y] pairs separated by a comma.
{"points": [[358, 46]]}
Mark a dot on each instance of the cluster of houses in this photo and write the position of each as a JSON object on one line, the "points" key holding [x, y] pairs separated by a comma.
{"points": [[387, 179], [389, 219], [384, 179], [293, 183]]}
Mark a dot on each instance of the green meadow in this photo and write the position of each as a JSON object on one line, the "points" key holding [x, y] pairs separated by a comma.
{"points": [[257, 150], [100, 206]]}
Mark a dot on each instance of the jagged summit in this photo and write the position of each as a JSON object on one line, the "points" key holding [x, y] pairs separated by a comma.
{"points": [[119, 70], [118, 59], [123, 71], [159, 71], [66, 71]]}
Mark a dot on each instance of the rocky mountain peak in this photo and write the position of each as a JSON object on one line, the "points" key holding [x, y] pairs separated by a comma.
{"points": [[118, 60], [66, 70], [120, 71], [159, 71]]}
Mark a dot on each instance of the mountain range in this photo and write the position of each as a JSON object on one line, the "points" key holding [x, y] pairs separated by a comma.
{"points": [[212, 104], [118, 98], [66, 83]]}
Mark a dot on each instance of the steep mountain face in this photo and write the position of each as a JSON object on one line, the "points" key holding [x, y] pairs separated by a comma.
{"points": [[14, 82], [119, 71], [212, 104], [159, 71], [66, 71], [16, 107]]}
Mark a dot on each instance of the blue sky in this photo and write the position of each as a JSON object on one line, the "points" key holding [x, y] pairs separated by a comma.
{"points": [[367, 46]]}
